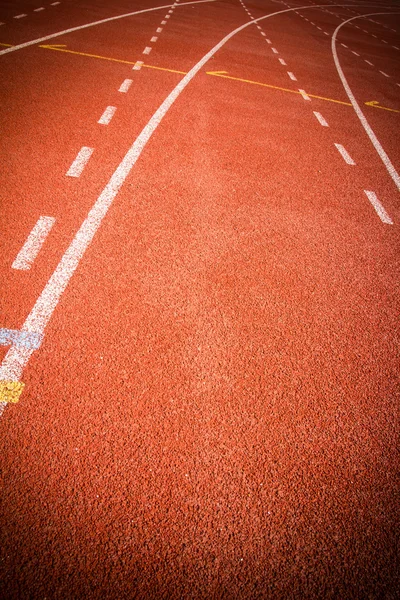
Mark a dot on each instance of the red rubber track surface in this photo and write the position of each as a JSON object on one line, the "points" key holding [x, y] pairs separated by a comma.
{"points": [[213, 412]]}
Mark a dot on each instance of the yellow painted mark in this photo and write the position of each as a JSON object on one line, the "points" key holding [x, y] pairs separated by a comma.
{"points": [[118, 60], [10, 391], [375, 104], [6, 45]]}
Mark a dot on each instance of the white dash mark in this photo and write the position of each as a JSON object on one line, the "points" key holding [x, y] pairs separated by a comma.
{"points": [[167, 17], [55, 3], [282, 62], [80, 162], [398, 84], [34, 242], [292, 76], [38, 9], [137, 66], [274, 50], [344, 46], [268, 41], [258, 27], [326, 33], [263, 33], [170, 12], [125, 85], [147, 50], [107, 115], [154, 38], [381, 212], [369, 62], [163, 22], [159, 29], [355, 53], [395, 47], [321, 119], [384, 74], [345, 155], [305, 96], [20, 16], [384, 41]]}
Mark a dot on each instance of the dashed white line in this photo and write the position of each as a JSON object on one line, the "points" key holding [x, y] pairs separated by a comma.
{"points": [[125, 85], [292, 76], [345, 155], [281, 60], [355, 53], [268, 41], [34, 242], [321, 119], [80, 162], [107, 115], [20, 16], [344, 45], [258, 27], [163, 22], [305, 96], [167, 17], [369, 62], [55, 3], [384, 74], [38, 9], [137, 66], [395, 47], [147, 50], [381, 212], [274, 50], [154, 38], [263, 33], [159, 29], [384, 41]]}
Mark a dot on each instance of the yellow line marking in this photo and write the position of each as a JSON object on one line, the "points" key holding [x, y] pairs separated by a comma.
{"points": [[7, 45], [118, 60], [10, 391], [222, 74]]}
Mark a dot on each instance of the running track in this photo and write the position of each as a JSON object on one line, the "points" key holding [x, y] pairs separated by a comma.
{"points": [[199, 309]]}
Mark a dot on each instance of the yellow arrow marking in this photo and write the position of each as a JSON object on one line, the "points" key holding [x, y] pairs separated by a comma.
{"points": [[118, 60], [10, 391], [376, 104]]}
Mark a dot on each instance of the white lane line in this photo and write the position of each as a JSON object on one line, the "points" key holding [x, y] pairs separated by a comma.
{"points": [[369, 62], [321, 119], [167, 17], [326, 33], [344, 45], [34, 242], [263, 33], [164, 22], [38, 9], [159, 29], [55, 3], [305, 96], [274, 50], [21, 339], [368, 129], [170, 11], [381, 212], [345, 155], [147, 50], [16, 359], [154, 38], [355, 53], [258, 27], [281, 60], [138, 65], [384, 41], [107, 115], [383, 73], [395, 47], [92, 24], [292, 76], [80, 162], [20, 16], [268, 41], [125, 85]]}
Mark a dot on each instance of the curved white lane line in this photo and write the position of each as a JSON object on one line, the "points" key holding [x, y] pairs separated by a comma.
{"points": [[54, 35], [368, 129], [16, 359]]}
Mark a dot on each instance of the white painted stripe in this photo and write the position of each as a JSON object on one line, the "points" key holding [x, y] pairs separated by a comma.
{"points": [[381, 212], [20, 16], [21, 339], [345, 155], [107, 115], [80, 162], [368, 62], [263, 33], [384, 41], [368, 129], [305, 96], [321, 119], [38, 9], [159, 29], [274, 50], [258, 27], [383, 73], [147, 50], [16, 359], [34, 242], [268, 41], [355, 53], [125, 85], [55, 3], [395, 47], [92, 24], [167, 17], [138, 65], [163, 22], [171, 11], [292, 76], [344, 45], [326, 33], [281, 60], [154, 38]]}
